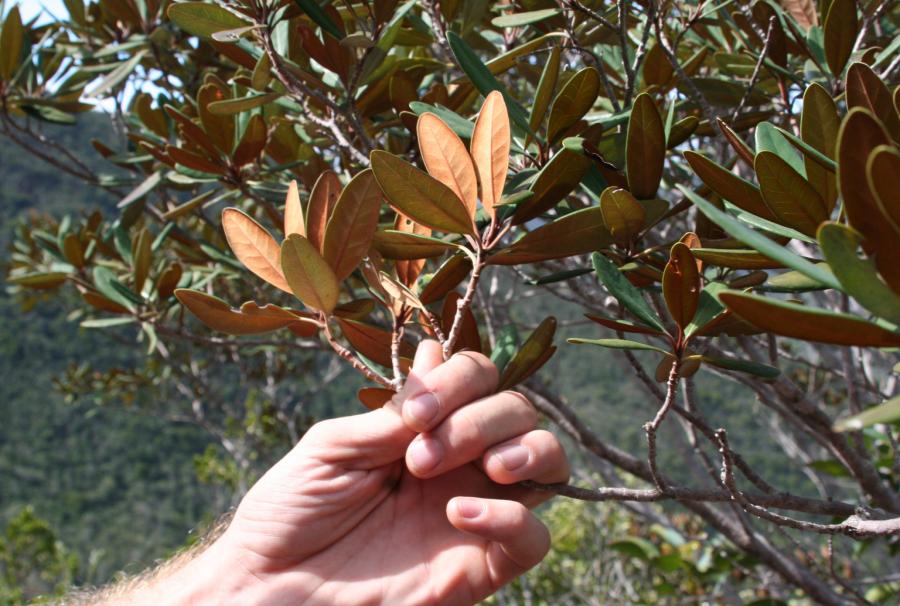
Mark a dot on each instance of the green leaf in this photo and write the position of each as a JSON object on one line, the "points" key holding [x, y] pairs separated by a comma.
{"points": [[622, 213], [807, 323], [788, 195], [841, 28], [557, 179], [230, 107], [573, 102], [617, 344], [544, 91], [753, 368], [462, 127], [483, 79], [110, 287], [708, 307], [624, 291], [320, 17], [203, 19], [887, 412], [858, 276], [526, 18], [11, 37], [108, 322], [759, 242], [793, 281], [117, 75], [505, 347], [766, 225], [307, 273], [769, 139], [534, 353], [731, 187], [419, 196], [645, 148], [636, 547]]}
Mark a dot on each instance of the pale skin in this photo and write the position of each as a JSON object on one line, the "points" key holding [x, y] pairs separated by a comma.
{"points": [[414, 503]]}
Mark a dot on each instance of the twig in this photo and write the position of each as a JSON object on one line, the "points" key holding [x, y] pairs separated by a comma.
{"points": [[396, 336], [463, 304], [757, 70], [354, 361], [652, 427]]}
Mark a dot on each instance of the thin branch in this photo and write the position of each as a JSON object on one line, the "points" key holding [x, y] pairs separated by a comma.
{"points": [[463, 304], [652, 427], [354, 361]]}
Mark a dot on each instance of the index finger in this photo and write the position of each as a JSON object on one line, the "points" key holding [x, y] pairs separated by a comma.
{"points": [[465, 377]]}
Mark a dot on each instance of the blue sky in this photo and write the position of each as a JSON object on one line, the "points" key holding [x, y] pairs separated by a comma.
{"points": [[30, 8]]}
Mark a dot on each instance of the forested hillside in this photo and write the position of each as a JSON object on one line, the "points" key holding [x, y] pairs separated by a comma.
{"points": [[97, 474]]}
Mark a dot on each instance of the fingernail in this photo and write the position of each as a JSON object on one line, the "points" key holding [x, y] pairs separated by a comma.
{"points": [[425, 454], [469, 508], [423, 407], [513, 456]]}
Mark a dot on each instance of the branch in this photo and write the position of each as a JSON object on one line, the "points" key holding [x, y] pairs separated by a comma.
{"points": [[653, 426], [354, 361], [463, 304]]}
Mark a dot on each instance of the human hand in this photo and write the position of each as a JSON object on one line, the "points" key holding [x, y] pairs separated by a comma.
{"points": [[418, 505]]}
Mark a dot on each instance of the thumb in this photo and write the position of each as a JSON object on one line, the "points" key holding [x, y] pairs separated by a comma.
{"points": [[375, 438]]}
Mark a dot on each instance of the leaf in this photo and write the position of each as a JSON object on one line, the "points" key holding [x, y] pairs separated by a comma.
{"points": [[803, 12], [252, 142], [534, 353], [320, 17], [789, 196], [731, 187], [310, 277], [375, 343], [770, 139], [807, 323], [735, 258], [109, 286], [574, 100], [708, 307], [635, 547], [618, 344], [866, 89], [624, 291], [886, 412], [322, 198], [219, 128], [525, 18], [117, 75], [250, 319], [459, 125], [419, 196], [203, 19], [819, 125], [446, 278], [622, 325], [394, 244], [645, 148], [753, 368], [559, 177], [11, 37], [293, 212], [681, 131], [353, 222], [230, 107], [861, 133], [577, 233], [841, 28], [142, 257], [40, 281], [374, 398], [857, 276], [505, 347], [681, 285], [483, 79], [490, 151], [623, 215], [544, 91], [254, 247], [447, 160], [882, 169], [759, 242]]}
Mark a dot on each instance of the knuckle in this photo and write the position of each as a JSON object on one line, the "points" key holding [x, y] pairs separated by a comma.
{"points": [[479, 364]]}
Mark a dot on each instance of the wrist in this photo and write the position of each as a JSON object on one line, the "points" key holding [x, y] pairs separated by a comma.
{"points": [[214, 576]]}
